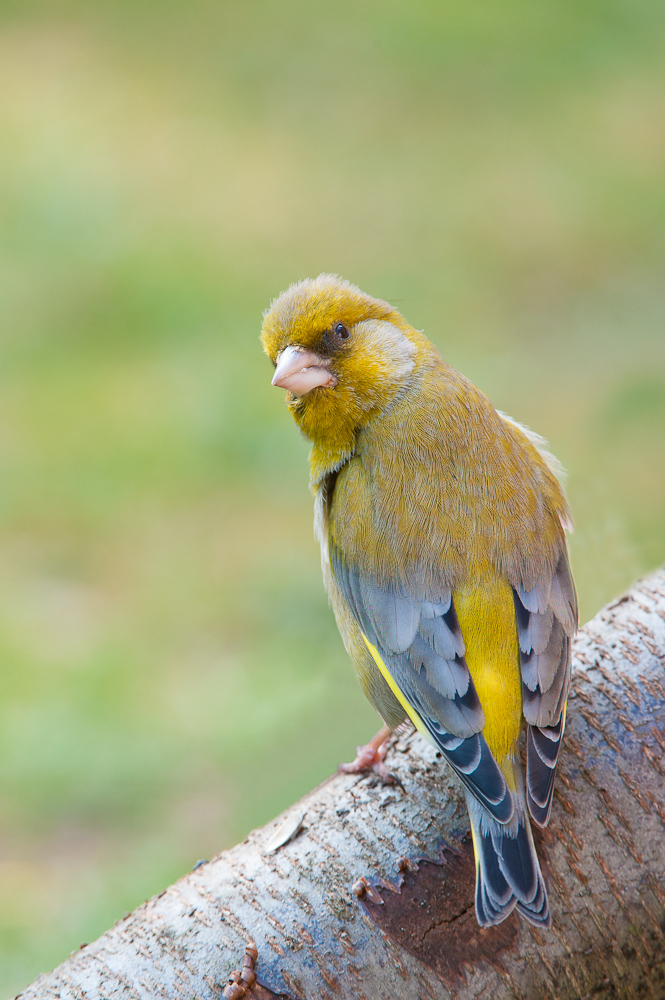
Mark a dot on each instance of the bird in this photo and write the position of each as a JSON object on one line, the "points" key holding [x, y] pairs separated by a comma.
{"points": [[442, 524]]}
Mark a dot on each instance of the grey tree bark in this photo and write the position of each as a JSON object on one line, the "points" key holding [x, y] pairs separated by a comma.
{"points": [[366, 891]]}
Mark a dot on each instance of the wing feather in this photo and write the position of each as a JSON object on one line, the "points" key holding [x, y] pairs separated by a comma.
{"points": [[417, 644], [393, 617], [546, 623]]}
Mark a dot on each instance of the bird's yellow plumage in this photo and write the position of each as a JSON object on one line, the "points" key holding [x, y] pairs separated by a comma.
{"points": [[441, 523], [409, 709], [486, 614]]}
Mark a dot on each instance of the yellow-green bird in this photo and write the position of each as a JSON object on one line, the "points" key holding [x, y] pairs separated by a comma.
{"points": [[441, 523]]}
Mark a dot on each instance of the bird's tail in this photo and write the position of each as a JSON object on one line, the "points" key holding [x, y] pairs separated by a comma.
{"points": [[508, 874]]}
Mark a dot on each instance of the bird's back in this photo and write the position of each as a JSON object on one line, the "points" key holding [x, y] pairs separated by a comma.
{"points": [[441, 486]]}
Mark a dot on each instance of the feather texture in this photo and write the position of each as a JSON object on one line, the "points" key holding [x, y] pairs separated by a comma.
{"points": [[546, 623], [441, 524]]}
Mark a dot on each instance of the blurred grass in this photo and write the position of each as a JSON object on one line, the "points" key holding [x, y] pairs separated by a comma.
{"points": [[171, 675]]}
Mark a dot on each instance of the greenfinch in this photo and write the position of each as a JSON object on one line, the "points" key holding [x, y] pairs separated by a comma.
{"points": [[442, 530]]}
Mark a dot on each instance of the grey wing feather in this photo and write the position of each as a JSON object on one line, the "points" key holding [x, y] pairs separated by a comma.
{"points": [[394, 618], [546, 623], [421, 644], [447, 643]]}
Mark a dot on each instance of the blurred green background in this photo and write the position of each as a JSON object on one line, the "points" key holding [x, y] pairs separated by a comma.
{"points": [[170, 673]]}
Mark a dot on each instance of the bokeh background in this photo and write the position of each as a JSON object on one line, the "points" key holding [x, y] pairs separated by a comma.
{"points": [[170, 675]]}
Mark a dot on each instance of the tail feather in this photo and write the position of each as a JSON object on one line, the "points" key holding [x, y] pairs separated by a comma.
{"points": [[495, 885], [488, 910], [537, 912], [508, 874], [518, 861]]}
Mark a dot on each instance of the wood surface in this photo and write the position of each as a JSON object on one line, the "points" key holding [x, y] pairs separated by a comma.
{"points": [[372, 895]]}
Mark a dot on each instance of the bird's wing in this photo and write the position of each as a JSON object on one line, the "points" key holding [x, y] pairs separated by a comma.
{"points": [[417, 645], [546, 623]]}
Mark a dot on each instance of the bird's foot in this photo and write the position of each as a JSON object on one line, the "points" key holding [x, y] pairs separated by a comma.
{"points": [[371, 757]]}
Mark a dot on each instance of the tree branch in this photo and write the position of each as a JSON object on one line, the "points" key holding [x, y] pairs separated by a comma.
{"points": [[372, 895]]}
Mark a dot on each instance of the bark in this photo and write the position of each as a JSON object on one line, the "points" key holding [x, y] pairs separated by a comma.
{"points": [[372, 896]]}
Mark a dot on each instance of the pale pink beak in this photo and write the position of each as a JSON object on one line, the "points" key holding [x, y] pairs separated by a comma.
{"points": [[301, 371]]}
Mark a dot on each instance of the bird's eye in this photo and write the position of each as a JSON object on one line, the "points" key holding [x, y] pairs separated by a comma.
{"points": [[342, 332]]}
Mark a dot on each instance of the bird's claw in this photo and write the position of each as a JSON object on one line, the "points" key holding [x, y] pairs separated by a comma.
{"points": [[371, 757]]}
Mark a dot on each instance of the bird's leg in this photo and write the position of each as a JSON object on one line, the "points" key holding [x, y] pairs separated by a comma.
{"points": [[371, 756]]}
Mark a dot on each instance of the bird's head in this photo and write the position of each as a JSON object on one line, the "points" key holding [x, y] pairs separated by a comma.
{"points": [[342, 356]]}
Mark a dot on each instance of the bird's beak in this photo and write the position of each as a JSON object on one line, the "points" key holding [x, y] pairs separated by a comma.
{"points": [[301, 371]]}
